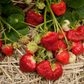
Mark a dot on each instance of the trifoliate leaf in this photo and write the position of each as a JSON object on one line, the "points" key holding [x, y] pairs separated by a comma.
{"points": [[76, 3]]}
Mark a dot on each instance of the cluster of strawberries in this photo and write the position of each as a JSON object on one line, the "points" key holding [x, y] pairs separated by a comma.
{"points": [[53, 42]]}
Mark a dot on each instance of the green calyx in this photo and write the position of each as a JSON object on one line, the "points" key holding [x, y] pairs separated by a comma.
{"points": [[40, 5], [53, 66], [32, 46], [37, 38]]}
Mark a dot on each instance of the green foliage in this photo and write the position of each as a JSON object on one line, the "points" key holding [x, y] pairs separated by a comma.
{"points": [[5, 1], [80, 12], [76, 3], [0, 8], [13, 19]]}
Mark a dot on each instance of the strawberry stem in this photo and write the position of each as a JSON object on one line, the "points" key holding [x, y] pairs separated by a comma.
{"points": [[42, 25], [64, 36], [54, 18], [45, 27], [5, 37]]}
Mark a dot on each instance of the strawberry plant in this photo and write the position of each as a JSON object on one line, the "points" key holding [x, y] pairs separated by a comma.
{"points": [[59, 28]]}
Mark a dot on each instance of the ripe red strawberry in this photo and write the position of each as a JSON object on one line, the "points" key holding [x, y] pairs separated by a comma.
{"points": [[34, 18], [0, 43], [77, 48], [27, 63], [61, 35], [76, 35], [59, 9], [61, 45], [51, 72], [7, 49], [32, 47], [25, 39], [63, 57], [50, 41]]}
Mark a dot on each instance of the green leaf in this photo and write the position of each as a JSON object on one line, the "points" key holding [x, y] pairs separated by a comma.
{"points": [[4, 1], [11, 36], [23, 31], [20, 25], [7, 7], [66, 16], [75, 16], [0, 8], [76, 3], [80, 12], [11, 19], [14, 10]]}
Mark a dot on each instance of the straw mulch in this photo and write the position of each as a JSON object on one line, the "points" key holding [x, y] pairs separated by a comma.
{"points": [[10, 72]]}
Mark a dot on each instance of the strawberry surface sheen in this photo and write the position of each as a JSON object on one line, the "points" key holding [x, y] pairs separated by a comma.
{"points": [[27, 63], [59, 9], [77, 48], [76, 35], [50, 41], [63, 57], [45, 70]]}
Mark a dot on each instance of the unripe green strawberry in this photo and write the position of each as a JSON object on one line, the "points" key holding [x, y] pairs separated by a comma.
{"points": [[72, 58], [32, 47], [65, 26], [40, 5], [25, 39], [49, 54], [37, 38], [16, 45], [28, 2]]}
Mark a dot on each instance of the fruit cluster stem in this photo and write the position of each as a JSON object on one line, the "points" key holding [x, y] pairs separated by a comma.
{"points": [[54, 18]]}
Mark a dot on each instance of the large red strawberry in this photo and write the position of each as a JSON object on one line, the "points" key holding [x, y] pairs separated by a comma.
{"points": [[63, 57], [7, 49], [27, 63], [59, 9], [76, 35], [51, 72], [32, 47], [34, 18], [77, 48], [50, 41], [0, 43]]}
